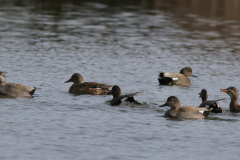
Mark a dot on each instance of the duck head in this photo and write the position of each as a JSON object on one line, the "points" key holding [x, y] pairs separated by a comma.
{"points": [[116, 91], [187, 71], [232, 92], [172, 102], [203, 95], [76, 78]]}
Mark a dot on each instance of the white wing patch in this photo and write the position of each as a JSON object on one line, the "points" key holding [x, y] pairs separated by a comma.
{"points": [[201, 111], [175, 79]]}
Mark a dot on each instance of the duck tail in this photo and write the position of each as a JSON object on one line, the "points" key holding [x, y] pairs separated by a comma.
{"points": [[206, 112], [32, 91]]}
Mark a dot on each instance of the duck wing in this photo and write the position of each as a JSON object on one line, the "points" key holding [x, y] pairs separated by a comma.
{"points": [[17, 90], [94, 85], [19, 86], [166, 78], [117, 100], [213, 104], [91, 88], [193, 112], [192, 109]]}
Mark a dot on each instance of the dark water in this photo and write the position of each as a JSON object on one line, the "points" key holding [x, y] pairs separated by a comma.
{"points": [[42, 43]]}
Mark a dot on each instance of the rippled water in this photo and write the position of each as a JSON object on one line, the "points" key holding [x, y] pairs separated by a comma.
{"points": [[122, 45]]}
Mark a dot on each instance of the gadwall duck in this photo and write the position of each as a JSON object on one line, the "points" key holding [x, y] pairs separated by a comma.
{"points": [[93, 88], [14, 89], [171, 78], [233, 93], [216, 108], [117, 96], [184, 111]]}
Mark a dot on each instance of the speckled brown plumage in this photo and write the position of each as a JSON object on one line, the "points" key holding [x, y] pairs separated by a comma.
{"points": [[93, 88], [88, 88]]}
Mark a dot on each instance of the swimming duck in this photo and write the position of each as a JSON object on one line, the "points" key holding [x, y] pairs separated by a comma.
{"points": [[93, 88], [117, 96], [171, 78], [184, 111], [233, 93], [216, 108], [14, 89]]}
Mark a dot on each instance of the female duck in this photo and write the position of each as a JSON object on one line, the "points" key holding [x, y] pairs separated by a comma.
{"points": [[93, 88], [233, 93]]}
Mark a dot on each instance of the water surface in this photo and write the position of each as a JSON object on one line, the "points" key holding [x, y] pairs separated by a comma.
{"points": [[42, 44]]}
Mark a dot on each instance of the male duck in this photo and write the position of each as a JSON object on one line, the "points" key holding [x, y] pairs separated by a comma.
{"points": [[233, 93], [171, 78], [117, 96], [216, 108], [14, 89], [93, 88], [184, 111]]}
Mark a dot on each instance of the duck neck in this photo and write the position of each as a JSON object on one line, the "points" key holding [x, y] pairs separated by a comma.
{"points": [[2, 80], [78, 81], [204, 99], [175, 108], [116, 96], [234, 101]]}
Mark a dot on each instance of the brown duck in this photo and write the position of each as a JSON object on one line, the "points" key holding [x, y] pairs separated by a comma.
{"points": [[233, 93], [14, 89], [93, 88], [185, 112]]}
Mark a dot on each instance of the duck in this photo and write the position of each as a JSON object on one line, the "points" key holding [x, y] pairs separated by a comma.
{"points": [[117, 96], [93, 88], [216, 108], [172, 78], [14, 89], [185, 112], [233, 93]]}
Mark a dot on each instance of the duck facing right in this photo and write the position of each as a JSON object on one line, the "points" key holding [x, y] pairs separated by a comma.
{"points": [[172, 78]]}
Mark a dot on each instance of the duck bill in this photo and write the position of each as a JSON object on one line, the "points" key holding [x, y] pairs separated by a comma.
{"points": [[199, 95], [68, 81], [194, 76], [224, 90], [164, 105], [109, 93]]}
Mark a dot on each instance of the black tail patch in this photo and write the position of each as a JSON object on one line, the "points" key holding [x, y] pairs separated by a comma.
{"points": [[32, 91]]}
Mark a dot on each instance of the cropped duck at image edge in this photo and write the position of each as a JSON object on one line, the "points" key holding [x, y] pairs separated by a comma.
{"points": [[14, 89]]}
